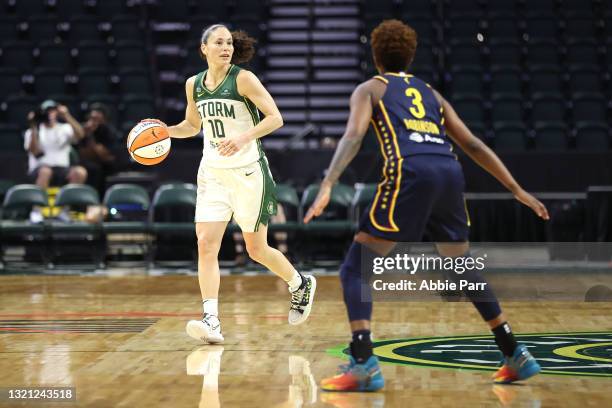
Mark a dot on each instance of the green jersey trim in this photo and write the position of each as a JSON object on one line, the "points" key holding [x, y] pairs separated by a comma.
{"points": [[208, 91]]}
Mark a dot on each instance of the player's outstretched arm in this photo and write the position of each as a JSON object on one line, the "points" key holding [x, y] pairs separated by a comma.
{"points": [[192, 123], [486, 158], [358, 122], [250, 87]]}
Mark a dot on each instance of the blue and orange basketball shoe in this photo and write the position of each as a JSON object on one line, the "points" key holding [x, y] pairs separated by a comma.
{"points": [[365, 377], [520, 366]]}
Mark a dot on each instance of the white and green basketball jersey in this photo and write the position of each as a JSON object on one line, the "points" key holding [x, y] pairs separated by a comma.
{"points": [[225, 113]]}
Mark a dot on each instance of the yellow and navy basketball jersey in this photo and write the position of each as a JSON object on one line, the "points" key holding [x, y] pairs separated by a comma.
{"points": [[224, 113], [408, 119]]}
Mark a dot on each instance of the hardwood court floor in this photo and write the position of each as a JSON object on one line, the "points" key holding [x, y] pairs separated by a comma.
{"points": [[121, 342]]}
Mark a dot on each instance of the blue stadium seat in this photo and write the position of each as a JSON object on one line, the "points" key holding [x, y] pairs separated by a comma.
{"points": [[378, 9], [54, 56], [582, 52], [580, 28], [503, 28], [212, 9], [462, 7], [18, 107], [505, 9], [93, 55], [136, 108], [551, 136], [26, 8], [545, 78], [248, 10], [542, 28], [134, 81], [466, 80], [127, 28], [592, 136], [130, 54], [41, 28], [585, 78], [540, 7], [506, 80], [506, 108], [590, 107], [94, 81], [548, 107], [66, 9], [505, 54], [8, 29], [462, 53], [48, 81], [175, 10], [17, 54], [85, 29], [417, 8], [470, 109], [543, 52], [11, 138], [10, 81], [464, 28], [577, 7], [509, 136], [425, 57], [425, 29], [107, 9]]}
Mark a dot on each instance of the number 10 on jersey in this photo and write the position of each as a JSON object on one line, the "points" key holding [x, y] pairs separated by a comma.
{"points": [[216, 127]]}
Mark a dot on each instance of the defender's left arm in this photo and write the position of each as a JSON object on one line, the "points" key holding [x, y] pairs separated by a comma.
{"points": [[486, 158], [250, 87]]}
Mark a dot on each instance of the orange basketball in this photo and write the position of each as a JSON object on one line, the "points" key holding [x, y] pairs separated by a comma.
{"points": [[149, 142]]}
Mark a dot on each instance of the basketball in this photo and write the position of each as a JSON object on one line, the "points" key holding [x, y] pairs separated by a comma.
{"points": [[149, 142]]}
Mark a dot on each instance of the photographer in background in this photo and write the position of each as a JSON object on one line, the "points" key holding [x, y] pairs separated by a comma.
{"points": [[48, 143], [95, 147]]}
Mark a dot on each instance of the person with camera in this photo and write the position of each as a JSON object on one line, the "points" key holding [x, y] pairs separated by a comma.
{"points": [[95, 149], [48, 143]]}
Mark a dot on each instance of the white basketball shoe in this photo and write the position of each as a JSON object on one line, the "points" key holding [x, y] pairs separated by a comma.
{"points": [[301, 300], [207, 330]]}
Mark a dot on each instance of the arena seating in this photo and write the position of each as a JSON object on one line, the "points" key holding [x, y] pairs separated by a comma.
{"points": [[311, 55]]}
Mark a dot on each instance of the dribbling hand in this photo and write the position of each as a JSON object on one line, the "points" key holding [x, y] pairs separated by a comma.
{"points": [[319, 203], [533, 203]]}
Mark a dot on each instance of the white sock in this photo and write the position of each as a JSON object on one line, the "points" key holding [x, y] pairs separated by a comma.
{"points": [[295, 282], [210, 306]]}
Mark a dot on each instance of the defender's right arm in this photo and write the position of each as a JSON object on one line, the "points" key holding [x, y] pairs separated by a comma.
{"points": [[192, 123]]}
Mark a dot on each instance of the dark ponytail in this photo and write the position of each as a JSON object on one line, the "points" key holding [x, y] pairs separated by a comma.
{"points": [[244, 46]]}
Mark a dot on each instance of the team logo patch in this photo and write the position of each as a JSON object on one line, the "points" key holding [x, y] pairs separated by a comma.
{"points": [[270, 208], [586, 354]]}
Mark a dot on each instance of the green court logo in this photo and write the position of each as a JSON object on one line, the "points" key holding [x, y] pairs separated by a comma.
{"points": [[587, 354]]}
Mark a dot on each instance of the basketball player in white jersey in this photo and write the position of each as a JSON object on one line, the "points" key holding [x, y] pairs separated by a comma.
{"points": [[234, 178]]}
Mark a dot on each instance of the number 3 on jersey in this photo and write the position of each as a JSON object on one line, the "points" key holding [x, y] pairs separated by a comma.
{"points": [[417, 109], [216, 126]]}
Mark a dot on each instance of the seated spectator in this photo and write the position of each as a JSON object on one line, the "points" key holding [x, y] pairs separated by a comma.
{"points": [[95, 147], [48, 143]]}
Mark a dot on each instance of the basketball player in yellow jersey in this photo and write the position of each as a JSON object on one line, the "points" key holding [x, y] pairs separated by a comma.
{"points": [[234, 178]]}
